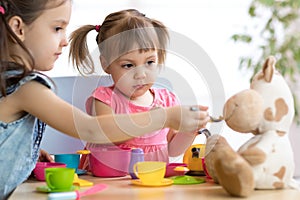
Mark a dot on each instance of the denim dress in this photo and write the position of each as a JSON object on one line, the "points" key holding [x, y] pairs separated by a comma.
{"points": [[20, 142]]}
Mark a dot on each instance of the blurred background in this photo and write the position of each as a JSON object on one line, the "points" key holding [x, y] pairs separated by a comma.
{"points": [[208, 24]]}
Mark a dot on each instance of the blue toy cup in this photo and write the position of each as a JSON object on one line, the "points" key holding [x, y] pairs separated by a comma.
{"points": [[71, 160]]}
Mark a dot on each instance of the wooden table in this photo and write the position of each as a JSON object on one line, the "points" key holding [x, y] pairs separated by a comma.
{"points": [[122, 189]]}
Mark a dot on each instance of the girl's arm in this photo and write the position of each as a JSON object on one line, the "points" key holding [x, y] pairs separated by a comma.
{"points": [[43, 103], [178, 142]]}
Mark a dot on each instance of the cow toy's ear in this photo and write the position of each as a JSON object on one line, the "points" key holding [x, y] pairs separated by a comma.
{"points": [[269, 68]]}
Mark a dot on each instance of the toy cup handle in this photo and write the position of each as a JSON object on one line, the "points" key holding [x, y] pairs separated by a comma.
{"points": [[48, 175], [135, 170]]}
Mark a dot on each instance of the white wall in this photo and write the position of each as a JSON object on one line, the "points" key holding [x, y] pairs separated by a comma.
{"points": [[209, 24]]}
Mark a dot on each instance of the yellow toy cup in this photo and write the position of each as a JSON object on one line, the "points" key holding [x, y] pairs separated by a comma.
{"points": [[150, 172], [59, 178]]}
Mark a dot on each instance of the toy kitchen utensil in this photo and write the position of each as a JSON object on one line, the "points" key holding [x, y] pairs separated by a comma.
{"points": [[71, 160], [59, 178], [83, 151], [162, 183], [39, 170], [176, 169], [137, 155], [81, 182], [193, 158], [205, 132], [181, 169], [187, 180], [76, 194], [212, 119], [46, 189], [102, 164]]}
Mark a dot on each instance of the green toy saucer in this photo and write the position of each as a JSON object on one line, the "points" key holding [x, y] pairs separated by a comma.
{"points": [[187, 180], [46, 189]]}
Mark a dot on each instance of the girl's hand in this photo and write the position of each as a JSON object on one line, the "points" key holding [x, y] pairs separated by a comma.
{"points": [[45, 156], [186, 118]]}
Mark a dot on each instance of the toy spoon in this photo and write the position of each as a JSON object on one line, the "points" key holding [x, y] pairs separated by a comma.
{"points": [[76, 194], [212, 119]]}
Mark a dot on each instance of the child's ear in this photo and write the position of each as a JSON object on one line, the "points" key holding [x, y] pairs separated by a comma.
{"points": [[104, 64], [17, 26]]}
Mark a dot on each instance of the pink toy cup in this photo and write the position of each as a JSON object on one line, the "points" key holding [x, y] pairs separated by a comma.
{"points": [[170, 170], [39, 170]]}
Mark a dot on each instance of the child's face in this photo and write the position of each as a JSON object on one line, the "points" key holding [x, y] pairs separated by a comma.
{"points": [[46, 36], [134, 73]]}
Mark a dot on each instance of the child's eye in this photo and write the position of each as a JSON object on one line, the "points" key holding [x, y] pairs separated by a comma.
{"points": [[149, 63], [58, 29], [127, 66]]}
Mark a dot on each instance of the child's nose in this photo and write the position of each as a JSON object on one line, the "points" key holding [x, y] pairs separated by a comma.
{"points": [[140, 72], [64, 42]]}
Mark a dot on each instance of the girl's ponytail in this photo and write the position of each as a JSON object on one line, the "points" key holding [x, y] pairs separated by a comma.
{"points": [[163, 38], [79, 53]]}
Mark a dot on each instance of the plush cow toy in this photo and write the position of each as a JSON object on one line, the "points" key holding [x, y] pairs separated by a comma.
{"points": [[266, 160]]}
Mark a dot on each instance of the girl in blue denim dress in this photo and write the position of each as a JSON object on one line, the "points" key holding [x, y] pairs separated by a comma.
{"points": [[32, 36], [20, 140]]}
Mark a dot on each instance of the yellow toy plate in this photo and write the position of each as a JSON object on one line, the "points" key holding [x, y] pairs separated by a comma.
{"points": [[164, 182]]}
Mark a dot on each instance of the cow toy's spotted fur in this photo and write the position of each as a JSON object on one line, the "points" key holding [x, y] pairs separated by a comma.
{"points": [[266, 160]]}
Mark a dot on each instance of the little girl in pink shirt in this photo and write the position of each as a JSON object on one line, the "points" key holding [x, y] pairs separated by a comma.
{"points": [[132, 48]]}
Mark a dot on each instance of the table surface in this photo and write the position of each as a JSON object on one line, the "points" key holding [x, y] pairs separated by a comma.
{"points": [[121, 188]]}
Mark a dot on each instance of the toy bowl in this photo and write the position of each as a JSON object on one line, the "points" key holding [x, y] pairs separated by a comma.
{"points": [[176, 169], [109, 161], [39, 170]]}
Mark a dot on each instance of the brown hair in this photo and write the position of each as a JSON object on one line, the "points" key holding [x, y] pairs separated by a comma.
{"points": [[121, 32], [28, 11]]}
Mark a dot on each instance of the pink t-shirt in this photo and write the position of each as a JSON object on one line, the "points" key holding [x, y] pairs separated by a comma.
{"points": [[154, 144]]}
